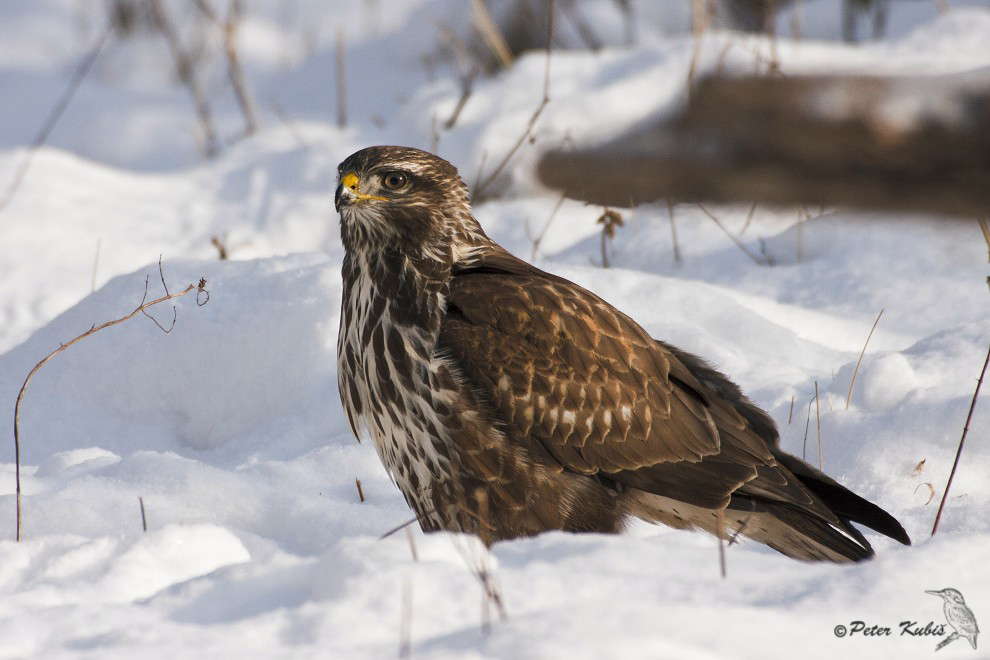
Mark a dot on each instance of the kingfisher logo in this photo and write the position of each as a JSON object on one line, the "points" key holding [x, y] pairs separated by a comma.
{"points": [[958, 615], [959, 619]]}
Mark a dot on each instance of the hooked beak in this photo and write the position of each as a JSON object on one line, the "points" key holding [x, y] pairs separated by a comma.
{"points": [[348, 192]]}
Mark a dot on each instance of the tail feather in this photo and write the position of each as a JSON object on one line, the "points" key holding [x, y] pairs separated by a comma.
{"points": [[847, 505]]}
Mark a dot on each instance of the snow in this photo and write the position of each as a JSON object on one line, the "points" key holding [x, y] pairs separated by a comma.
{"points": [[229, 428]]}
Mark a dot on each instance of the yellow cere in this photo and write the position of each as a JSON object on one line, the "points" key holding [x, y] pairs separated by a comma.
{"points": [[350, 181]]}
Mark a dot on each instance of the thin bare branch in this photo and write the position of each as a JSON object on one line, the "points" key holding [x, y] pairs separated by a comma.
{"points": [[144, 520], [546, 226], [405, 620], [483, 185], [986, 234], [742, 246], [467, 86], [720, 522], [234, 70], [46, 129], [673, 231], [818, 417], [360, 490], [749, 219], [962, 441], [341, 79], [398, 528], [161, 274], [493, 37], [699, 24], [200, 288], [96, 265], [186, 72]]}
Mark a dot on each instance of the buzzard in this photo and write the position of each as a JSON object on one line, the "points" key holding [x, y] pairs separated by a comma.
{"points": [[506, 401]]}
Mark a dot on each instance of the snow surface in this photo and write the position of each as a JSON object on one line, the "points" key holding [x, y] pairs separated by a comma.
{"points": [[229, 428]]}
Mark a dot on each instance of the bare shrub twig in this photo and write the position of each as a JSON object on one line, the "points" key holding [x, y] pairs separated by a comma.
{"points": [[962, 441], [818, 418], [142, 308], [720, 521], [493, 37], [234, 69], [405, 620], [742, 246], [985, 228], [46, 129], [341, 79], [487, 181], [673, 231], [186, 72], [546, 226], [609, 220]]}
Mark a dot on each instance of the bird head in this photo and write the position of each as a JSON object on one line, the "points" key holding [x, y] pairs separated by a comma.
{"points": [[402, 197]]}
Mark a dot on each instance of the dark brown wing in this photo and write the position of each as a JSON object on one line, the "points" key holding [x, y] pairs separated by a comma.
{"points": [[565, 368]]}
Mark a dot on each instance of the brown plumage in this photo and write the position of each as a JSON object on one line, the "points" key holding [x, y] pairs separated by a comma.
{"points": [[506, 401]]}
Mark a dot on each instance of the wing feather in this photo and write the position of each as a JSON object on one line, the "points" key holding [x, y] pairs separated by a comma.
{"points": [[562, 366]]}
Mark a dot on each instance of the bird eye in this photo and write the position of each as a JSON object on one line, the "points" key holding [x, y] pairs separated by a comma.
{"points": [[394, 180]]}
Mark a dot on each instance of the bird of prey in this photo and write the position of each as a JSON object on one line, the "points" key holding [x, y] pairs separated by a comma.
{"points": [[506, 401], [958, 615]]}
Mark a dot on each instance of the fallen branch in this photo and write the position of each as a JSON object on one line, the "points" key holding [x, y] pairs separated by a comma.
{"points": [[200, 290]]}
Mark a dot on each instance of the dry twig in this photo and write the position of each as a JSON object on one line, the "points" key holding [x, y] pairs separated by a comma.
{"points": [[96, 265], [483, 185], [186, 72], [546, 227], [200, 290], [742, 246], [341, 80], [55, 115], [720, 521], [860, 360], [986, 234], [405, 620], [818, 417], [234, 69], [467, 86], [931, 491], [609, 220], [699, 24], [493, 37], [673, 231], [962, 441]]}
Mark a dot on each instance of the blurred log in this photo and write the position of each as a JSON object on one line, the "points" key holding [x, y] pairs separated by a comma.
{"points": [[903, 144]]}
